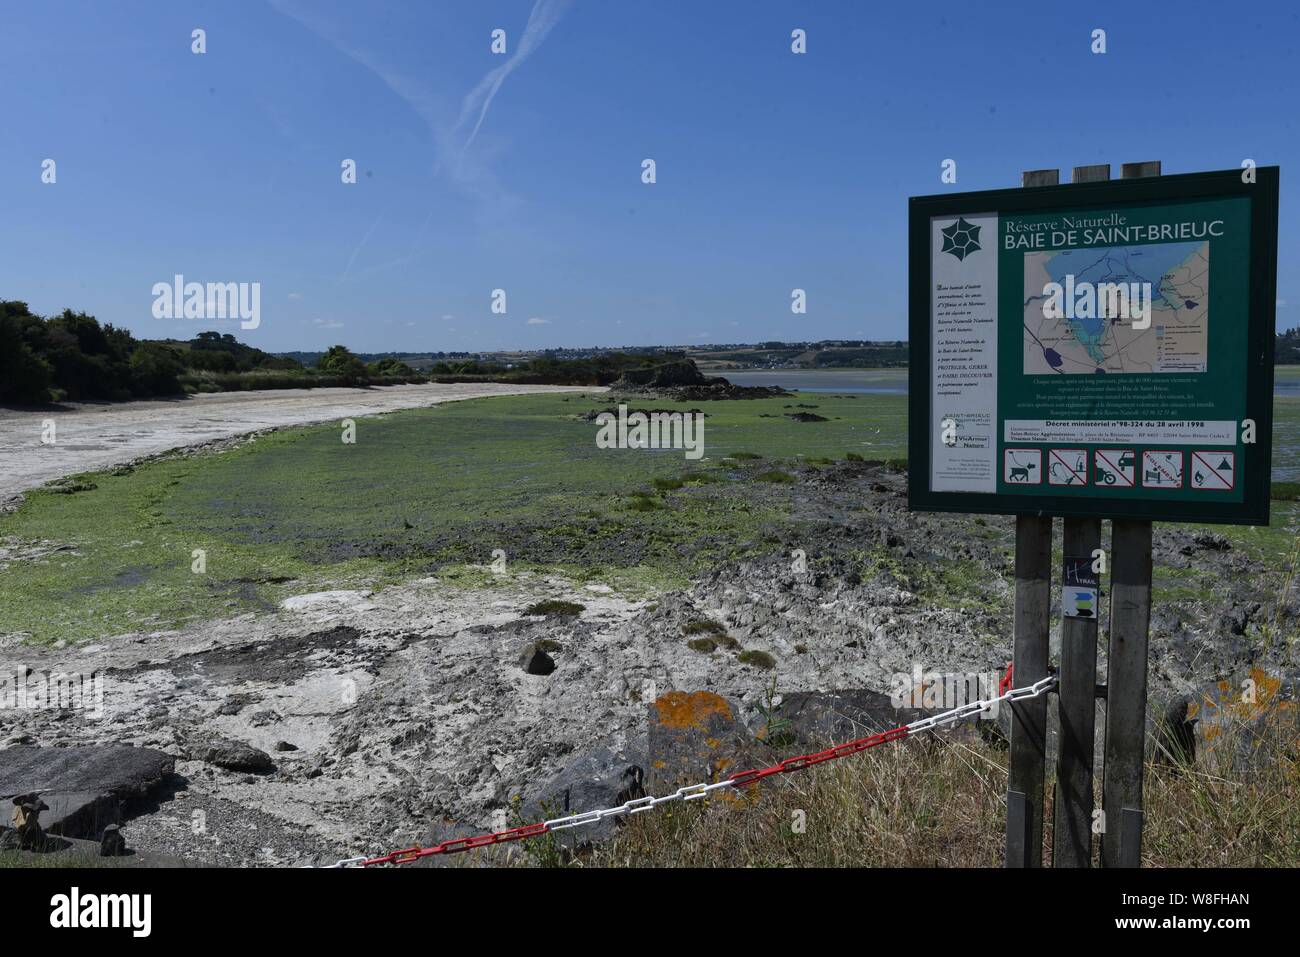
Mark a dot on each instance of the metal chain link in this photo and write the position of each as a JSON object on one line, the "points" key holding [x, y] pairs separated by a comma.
{"points": [[694, 792]]}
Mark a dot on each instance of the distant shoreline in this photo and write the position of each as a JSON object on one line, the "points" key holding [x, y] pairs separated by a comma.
{"points": [[894, 381]]}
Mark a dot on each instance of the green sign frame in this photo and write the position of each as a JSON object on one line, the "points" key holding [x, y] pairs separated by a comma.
{"points": [[1154, 429]]}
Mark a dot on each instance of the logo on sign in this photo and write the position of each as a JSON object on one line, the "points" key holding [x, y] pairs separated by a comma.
{"points": [[1079, 594], [961, 238]]}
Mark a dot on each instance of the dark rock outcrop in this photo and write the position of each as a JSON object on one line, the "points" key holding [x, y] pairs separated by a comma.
{"points": [[84, 787], [695, 738], [682, 381], [534, 661], [599, 778], [231, 755]]}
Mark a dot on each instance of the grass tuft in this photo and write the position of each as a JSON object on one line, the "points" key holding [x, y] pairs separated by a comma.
{"points": [[555, 608], [759, 659]]}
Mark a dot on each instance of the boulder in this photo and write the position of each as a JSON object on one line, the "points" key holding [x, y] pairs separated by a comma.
{"points": [[1234, 725], [231, 755], [84, 787], [819, 718], [534, 661], [694, 738], [598, 778], [112, 844]]}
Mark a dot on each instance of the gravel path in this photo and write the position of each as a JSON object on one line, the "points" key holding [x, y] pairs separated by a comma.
{"points": [[95, 436]]}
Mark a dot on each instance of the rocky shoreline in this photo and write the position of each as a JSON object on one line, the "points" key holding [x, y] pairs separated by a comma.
{"points": [[354, 723]]}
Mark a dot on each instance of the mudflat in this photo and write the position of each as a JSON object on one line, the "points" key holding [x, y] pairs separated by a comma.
{"points": [[90, 436]]}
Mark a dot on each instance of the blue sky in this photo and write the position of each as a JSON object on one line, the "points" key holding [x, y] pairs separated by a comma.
{"points": [[775, 170]]}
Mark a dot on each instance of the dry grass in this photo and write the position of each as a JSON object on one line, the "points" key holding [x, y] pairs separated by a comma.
{"points": [[942, 803], [1216, 815], [923, 803]]}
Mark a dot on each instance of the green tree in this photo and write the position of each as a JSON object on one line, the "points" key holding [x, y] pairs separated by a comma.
{"points": [[24, 375], [390, 366], [155, 370], [340, 361]]}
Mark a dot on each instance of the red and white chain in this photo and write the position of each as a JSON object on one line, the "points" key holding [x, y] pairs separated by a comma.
{"points": [[695, 792]]}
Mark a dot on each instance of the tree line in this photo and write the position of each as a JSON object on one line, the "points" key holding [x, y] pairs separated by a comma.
{"points": [[73, 357]]}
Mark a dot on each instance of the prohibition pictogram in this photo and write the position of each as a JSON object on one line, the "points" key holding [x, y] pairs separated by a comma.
{"points": [[1214, 471], [1162, 469], [1022, 466], [1115, 467], [1067, 466]]}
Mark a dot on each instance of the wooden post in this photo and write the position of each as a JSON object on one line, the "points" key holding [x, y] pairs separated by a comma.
{"points": [[1025, 780], [1076, 696], [1126, 678], [1126, 693], [1076, 705], [1029, 717]]}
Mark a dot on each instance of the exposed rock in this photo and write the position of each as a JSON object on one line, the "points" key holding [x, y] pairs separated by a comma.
{"points": [[694, 738], [598, 778], [344, 598], [1174, 733], [231, 755], [818, 718], [84, 787], [112, 844], [682, 381], [285, 746], [535, 661], [1236, 724], [664, 375]]}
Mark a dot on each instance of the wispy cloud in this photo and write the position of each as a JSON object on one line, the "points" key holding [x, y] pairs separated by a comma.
{"points": [[466, 170], [360, 246], [451, 140], [543, 18], [534, 321]]}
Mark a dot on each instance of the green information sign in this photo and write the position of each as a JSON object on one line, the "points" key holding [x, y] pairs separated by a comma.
{"points": [[1100, 349]]}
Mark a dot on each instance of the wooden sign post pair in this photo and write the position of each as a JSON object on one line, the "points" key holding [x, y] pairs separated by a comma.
{"points": [[1129, 563]]}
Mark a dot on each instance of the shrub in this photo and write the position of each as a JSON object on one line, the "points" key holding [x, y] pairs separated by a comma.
{"points": [[555, 608], [1285, 491], [759, 659]]}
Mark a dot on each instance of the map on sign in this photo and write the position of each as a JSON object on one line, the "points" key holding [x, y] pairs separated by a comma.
{"points": [[1089, 335]]}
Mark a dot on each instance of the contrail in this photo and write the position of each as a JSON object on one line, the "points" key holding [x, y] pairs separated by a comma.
{"points": [[364, 239], [545, 15]]}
